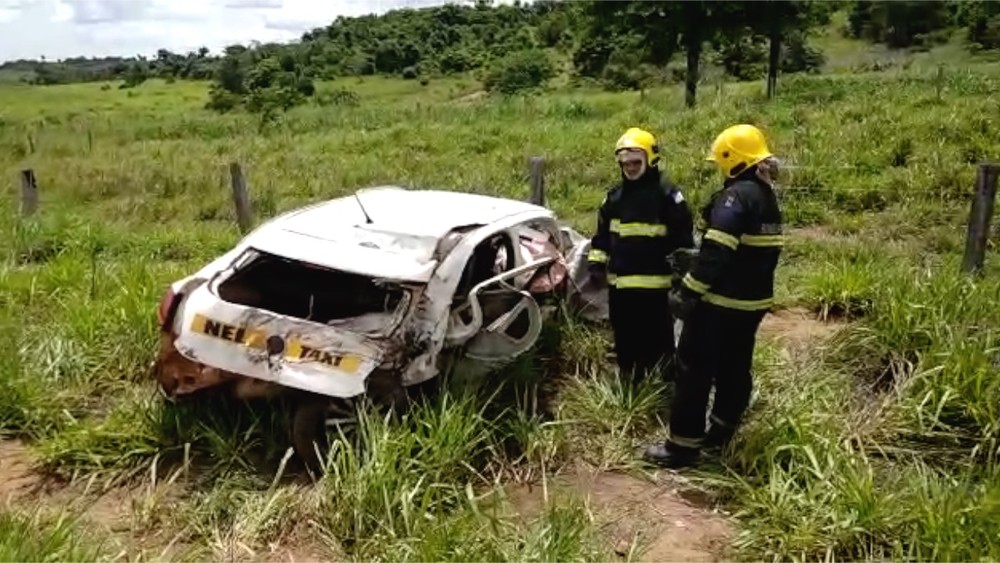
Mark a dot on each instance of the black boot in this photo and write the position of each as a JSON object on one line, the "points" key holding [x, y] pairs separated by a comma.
{"points": [[718, 436], [668, 372], [671, 456]]}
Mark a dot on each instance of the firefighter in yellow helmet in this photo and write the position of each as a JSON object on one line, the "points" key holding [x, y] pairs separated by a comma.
{"points": [[723, 298], [642, 220]]}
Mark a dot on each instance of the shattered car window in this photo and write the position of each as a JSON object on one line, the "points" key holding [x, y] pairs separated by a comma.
{"points": [[314, 293]]}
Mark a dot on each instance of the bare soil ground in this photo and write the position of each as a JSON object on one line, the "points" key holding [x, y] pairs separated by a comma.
{"points": [[639, 519], [16, 476], [127, 516], [472, 98], [797, 327]]}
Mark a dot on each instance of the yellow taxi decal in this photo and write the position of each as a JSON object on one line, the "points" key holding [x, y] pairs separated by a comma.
{"points": [[239, 335], [299, 352], [294, 351]]}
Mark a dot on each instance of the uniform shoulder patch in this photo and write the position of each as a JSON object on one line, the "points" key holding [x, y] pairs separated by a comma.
{"points": [[672, 192]]}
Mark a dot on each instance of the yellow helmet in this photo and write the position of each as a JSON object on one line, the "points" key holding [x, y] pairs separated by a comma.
{"points": [[737, 148], [636, 138]]}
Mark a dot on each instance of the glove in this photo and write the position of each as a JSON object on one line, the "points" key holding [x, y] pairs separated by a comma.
{"points": [[681, 260], [681, 303], [598, 275]]}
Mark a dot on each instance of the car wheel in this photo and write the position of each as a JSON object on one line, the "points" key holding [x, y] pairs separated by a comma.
{"points": [[314, 415]]}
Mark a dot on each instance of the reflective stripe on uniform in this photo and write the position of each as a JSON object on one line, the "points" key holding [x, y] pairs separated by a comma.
{"points": [[763, 240], [738, 304], [597, 255], [693, 284], [732, 242], [716, 421], [684, 441], [639, 282], [638, 229], [725, 239]]}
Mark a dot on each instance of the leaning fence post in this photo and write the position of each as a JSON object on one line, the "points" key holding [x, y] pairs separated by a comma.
{"points": [[979, 218], [537, 180], [29, 192], [241, 197]]}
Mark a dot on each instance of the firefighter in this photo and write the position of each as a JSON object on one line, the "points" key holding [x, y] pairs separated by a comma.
{"points": [[723, 299], [642, 220]]}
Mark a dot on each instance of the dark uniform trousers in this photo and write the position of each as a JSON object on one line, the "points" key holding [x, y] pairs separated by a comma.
{"points": [[643, 330], [716, 348], [640, 223], [732, 286]]}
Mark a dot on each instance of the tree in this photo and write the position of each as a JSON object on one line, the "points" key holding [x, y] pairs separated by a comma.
{"points": [[898, 23], [263, 85], [519, 72], [451, 38], [981, 21], [656, 30], [136, 74], [653, 31], [743, 28], [782, 18], [697, 19]]}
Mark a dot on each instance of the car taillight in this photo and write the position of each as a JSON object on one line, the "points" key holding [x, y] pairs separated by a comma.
{"points": [[168, 306]]}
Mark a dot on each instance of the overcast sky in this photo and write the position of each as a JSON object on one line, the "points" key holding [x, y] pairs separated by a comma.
{"points": [[59, 29]]}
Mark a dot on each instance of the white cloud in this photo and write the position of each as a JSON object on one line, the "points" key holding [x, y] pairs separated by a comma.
{"points": [[14, 4], [254, 4], [59, 29]]}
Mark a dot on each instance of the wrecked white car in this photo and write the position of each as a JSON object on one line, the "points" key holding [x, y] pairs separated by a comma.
{"points": [[369, 294]]}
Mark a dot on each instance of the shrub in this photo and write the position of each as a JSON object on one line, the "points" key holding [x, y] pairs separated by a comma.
{"points": [[798, 56], [519, 72]]}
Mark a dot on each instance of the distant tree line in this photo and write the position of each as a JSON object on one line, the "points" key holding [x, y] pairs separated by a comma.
{"points": [[511, 48], [196, 65]]}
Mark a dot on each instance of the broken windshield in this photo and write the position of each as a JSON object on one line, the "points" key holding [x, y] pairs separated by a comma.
{"points": [[314, 293]]}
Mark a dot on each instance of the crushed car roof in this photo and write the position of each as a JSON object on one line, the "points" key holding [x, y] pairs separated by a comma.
{"points": [[406, 227]]}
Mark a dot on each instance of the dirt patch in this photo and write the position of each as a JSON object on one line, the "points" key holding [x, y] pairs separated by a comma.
{"points": [[302, 551], [797, 327], [473, 97], [16, 476], [640, 520], [118, 515]]}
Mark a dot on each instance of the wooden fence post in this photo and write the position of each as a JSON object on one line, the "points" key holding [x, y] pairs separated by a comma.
{"points": [[939, 81], [241, 197], [979, 218], [29, 192], [537, 180]]}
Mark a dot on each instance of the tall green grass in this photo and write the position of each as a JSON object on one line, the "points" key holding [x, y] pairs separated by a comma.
{"points": [[37, 536]]}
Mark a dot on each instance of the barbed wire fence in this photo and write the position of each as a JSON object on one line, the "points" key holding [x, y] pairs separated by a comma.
{"points": [[977, 235]]}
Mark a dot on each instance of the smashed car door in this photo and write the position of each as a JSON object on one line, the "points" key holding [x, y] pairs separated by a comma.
{"points": [[497, 321], [511, 324], [504, 322]]}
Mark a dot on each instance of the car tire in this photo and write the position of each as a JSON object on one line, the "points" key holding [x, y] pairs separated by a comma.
{"points": [[312, 418], [309, 432]]}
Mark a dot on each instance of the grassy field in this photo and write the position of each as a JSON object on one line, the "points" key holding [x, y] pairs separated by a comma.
{"points": [[876, 430]]}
